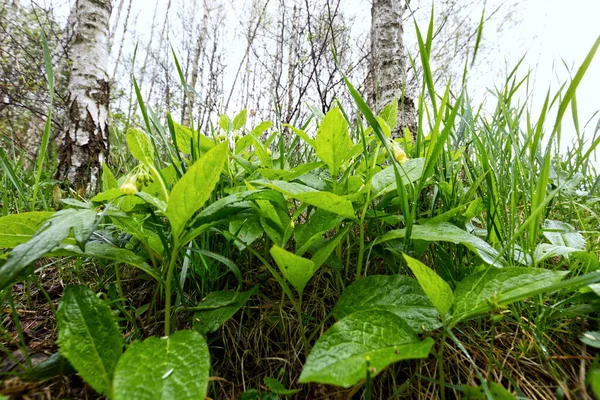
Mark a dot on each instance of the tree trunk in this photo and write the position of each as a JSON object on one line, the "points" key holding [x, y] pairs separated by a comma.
{"points": [[388, 63], [200, 43], [83, 146]]}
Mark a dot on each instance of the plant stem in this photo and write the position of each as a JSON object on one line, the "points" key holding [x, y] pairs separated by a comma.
{"points": [[168, 283]]}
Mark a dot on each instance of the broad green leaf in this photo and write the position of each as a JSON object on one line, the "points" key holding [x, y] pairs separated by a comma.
{"points": [[49, 237], [366, 339], [106, 251], [398, 294], [319, 222], [333, 141], [290, 174], [385, 181], [88, 336], [277, 387], [247, 230], [261, 128], [297, 270], [108, 179], [107, 195], [437, 289], [326, 200], [16, 229], [134, 226], [140, 146], [195, 187], [482, 291], [389, 113], [446, 232], [239, 120], [543, 251], [591, 339], [323, 252], [217, 308], [562, 234], [478, 392], [175, 367], [185, 136], [225, 123]]}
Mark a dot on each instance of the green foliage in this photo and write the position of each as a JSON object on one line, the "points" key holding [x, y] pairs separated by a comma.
{"points": [[89, 337], [175, 367], [397, 294], [365, 340], [217, 308], [211, 219], [438, 290]]}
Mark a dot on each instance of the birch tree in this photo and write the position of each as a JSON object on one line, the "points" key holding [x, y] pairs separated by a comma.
{"points": [[387, 75], [83, 146]]}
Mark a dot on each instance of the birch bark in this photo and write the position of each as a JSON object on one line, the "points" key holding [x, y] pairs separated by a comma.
{"points": [[388, 62], [83, 146]]}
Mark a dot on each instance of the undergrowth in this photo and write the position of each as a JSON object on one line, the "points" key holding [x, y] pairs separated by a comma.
{"points": [[324, 260]]}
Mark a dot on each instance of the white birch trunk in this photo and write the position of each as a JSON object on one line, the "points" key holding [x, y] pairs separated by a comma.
{"points": [[388, 61], [83, 146]]}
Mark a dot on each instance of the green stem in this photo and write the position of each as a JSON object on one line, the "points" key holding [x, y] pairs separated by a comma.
{"points": [[160, 180], [168, 283], [361, 244]]}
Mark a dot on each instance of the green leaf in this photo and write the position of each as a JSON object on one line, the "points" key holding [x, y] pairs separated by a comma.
{"points": [[261, 128], [302, 135], [185, 137], [140, 146], [389, 113], [319, 222], [398, 294], [591, 339], [247, 230], [195, 187], [53, 366], [47, 238], [16, 229], [89, 337], [478, 392], [175, 367], [217, 308], [108, 179], [277, 387], [107, 195], [562, 234], [326, 200], [297, 270], [385, 181], [239, 120], [333, 141], [446, 232], [373, 339], [485, 290], [107, 252], [594, 379], [225, 123], [324, 251], [437, 289], [543, 251]]}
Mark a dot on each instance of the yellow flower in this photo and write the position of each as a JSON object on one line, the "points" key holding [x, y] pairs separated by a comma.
{"points": [[128, 187], [399, 153]]}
